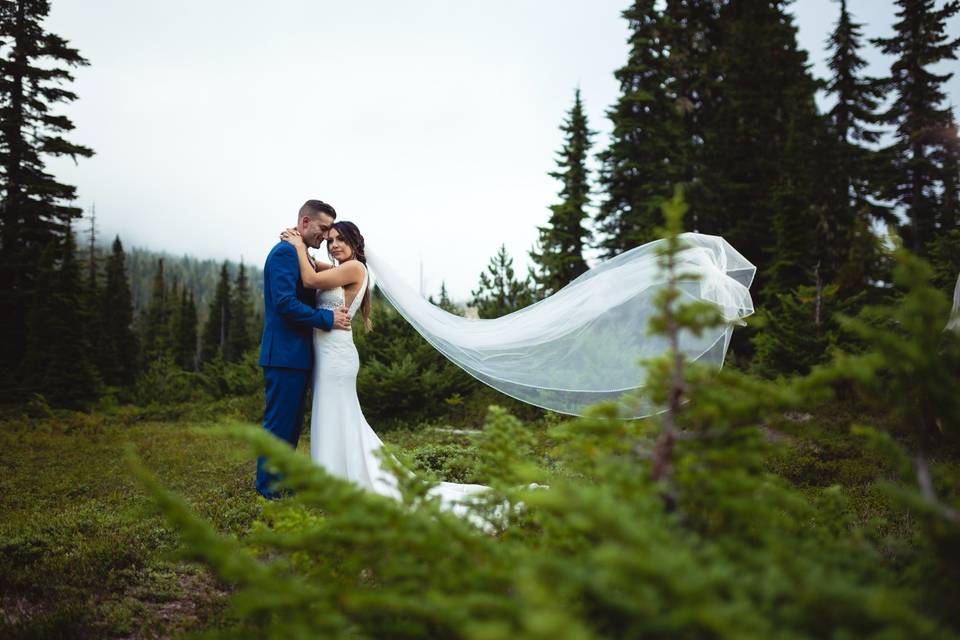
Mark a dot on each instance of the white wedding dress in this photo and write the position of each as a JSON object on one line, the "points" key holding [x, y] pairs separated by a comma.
{"points": [[340, 438]]}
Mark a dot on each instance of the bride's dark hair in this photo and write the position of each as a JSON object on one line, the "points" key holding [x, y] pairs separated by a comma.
{"points": [[350, 234]]}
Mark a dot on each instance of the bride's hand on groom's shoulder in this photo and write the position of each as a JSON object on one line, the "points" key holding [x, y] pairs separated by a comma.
{"points": [[293, 237]]}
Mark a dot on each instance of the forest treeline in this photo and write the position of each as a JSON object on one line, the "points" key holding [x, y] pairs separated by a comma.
{"points": [[715, 97]]}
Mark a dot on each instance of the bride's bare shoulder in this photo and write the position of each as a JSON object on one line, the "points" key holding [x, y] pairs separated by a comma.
{"points": [[355, 269]]}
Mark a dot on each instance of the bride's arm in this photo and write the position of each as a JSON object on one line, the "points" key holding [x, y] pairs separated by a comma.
{"points": [[350, 272]]}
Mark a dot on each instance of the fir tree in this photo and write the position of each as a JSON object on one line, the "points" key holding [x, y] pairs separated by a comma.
{"points": [[185, 332], [500, 291], [155, 322], [215, 336], [239, 332], [93, 291], [443, 301], [638, 168], [854, 180], [692, 88], [59, 361], [118, 349], [559, 257], [919, 41], [34, 210], [764, 113], [948, 155]]}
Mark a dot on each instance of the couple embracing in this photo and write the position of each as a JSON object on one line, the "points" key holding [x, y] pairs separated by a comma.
{"points": [[309, 307]]}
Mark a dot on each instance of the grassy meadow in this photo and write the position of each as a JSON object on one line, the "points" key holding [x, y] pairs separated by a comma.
{"points": [[83, 552]]}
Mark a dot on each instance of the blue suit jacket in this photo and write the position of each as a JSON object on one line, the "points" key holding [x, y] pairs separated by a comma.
{"points": [[289, 315]]}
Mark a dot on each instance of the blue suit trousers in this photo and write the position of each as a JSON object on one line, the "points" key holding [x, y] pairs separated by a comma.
{"points": [[286, 392]]}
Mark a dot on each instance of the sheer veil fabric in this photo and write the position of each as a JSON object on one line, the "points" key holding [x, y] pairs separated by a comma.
{"points": [[583, 344]]}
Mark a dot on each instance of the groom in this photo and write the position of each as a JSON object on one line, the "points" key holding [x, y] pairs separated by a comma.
{"points": [[289, 318]]}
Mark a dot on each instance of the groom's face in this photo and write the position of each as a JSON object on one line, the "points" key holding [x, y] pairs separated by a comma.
{"points": [[314, 230]]}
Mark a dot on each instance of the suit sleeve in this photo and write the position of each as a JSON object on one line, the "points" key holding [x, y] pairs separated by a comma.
{"points": [[284, 274]]}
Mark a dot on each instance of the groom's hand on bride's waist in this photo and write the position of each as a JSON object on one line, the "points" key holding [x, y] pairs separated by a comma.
{"points": [[340, 319]]}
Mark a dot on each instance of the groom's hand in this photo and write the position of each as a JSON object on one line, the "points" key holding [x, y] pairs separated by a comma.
{"points": [[340, 319]]}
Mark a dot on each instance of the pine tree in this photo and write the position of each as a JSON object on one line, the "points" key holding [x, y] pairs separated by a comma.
{"points": [[692, 88], [59, 361], [155, 321], [639, 167], [764, 113], [920, 40], [34, 210], [443, 300], [944, 249], [93, 291], [215, 337], [185, 332], [118, 349], [853, 123], [948, 156], [500, 291], [560, 256], [239, 331]]}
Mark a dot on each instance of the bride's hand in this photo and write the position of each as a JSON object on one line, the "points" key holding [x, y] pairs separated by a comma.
{"points": [[293, 237]]}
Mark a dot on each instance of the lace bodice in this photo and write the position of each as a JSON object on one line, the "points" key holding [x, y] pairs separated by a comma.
{"points": [[335, 298], [331, 299]]}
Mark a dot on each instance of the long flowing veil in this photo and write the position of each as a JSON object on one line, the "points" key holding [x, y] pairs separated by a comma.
{"points": [[583, 344], [953, 324]]}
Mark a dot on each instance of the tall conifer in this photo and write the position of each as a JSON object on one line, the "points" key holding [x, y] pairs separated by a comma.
{"points": [[34, 210], [758, 142], [500, 291], [155, 322], [185, 332], [240, 332], [639, 168], [118, 349], [559, 255], [919, 41], [59, 361], [852, 254], [692, 89], [215, 331]]}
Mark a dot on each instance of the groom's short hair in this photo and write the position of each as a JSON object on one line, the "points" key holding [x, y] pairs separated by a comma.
{"points": [[313, 208]]}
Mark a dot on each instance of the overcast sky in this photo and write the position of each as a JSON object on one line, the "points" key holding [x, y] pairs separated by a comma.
{"points": [[431, 124]]}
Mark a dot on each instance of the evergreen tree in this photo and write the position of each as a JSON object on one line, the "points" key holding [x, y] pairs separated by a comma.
{"points": [[693, 89], [760, 141], [43, 323], [443, 301], [239, 332], [639, 167], [948, 155], [944, 249], [853, 122], [560, 256], [185, 332], [34, 209], [59, 361], [93, 293], [118, 349], [500, 291], [155, 322], [920, 40], [215, 336]]}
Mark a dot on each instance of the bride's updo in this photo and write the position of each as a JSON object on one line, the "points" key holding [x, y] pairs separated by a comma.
{"points": [[351, 235]]}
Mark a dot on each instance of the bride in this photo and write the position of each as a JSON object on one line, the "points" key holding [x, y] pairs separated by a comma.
{"points": [[341, 440]]}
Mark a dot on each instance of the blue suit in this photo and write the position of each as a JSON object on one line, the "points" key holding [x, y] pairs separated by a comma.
{"points": [[286, 350]]}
